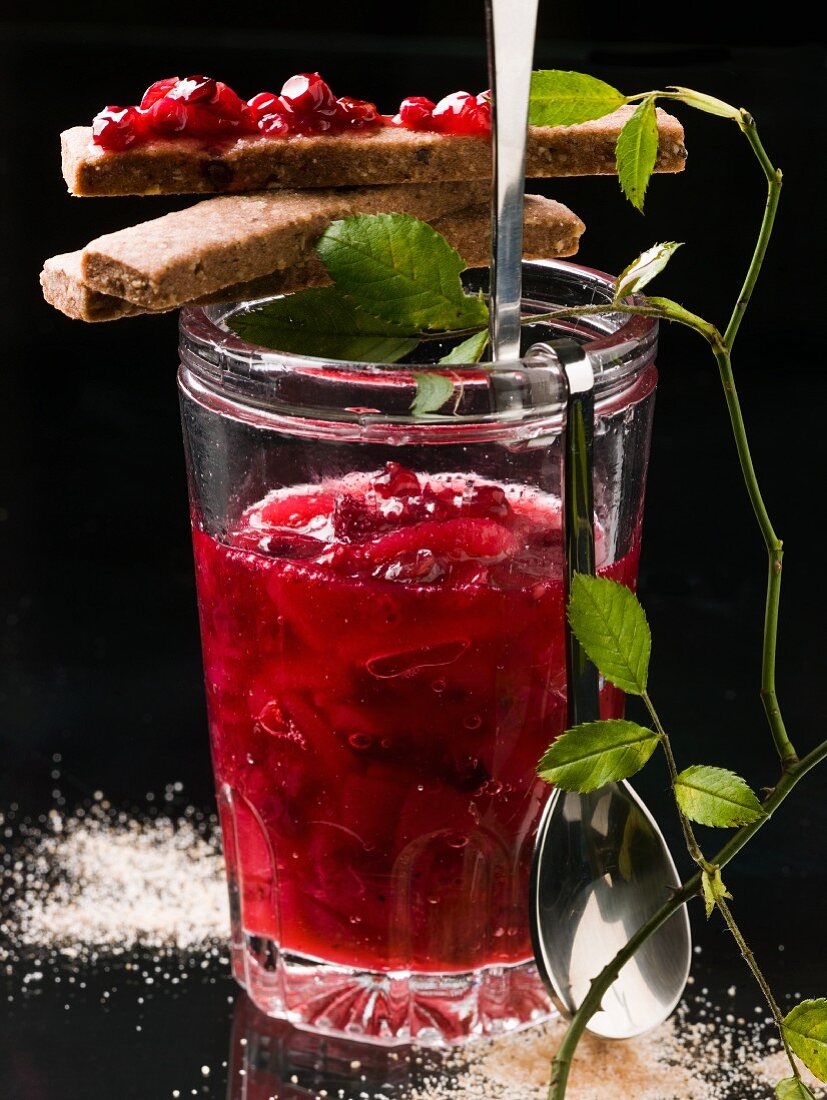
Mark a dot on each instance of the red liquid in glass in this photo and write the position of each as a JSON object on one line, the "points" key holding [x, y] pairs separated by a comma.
{"points": [[385, 666]]}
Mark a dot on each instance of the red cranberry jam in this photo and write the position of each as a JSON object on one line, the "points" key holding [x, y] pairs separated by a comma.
{"points": [[200, 107]]}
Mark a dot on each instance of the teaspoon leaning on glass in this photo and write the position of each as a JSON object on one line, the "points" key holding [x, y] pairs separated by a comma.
{"points": [[601, 865]]}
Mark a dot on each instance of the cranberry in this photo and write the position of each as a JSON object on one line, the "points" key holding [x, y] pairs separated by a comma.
{"points": [[415, 112], [462, 113], [226, 102], [265, 103], [357, 112], [168, 116], [275, 125], [117, 128], [397, 481], [487, 501], [267, 114], [157, 91], [193, 89], [308, 96], [417, 566]]}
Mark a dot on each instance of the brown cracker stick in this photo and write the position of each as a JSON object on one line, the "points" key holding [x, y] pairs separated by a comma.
{"points": [[232, 239], [384, 156], [550, 230], [238, 238]]}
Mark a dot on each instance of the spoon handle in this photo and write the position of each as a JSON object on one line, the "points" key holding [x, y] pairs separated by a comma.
{"points": [[511, 30], [578, 516]]}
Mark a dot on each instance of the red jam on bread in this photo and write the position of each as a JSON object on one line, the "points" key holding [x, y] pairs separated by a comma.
{"points": [[203, 108]]}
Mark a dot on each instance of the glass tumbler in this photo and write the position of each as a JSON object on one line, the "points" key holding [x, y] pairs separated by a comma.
{"points": [[381, 599]]}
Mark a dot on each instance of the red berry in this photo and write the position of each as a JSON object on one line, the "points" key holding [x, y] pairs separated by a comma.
{"points": [[462, 113], [168, 116], [157, 91], [397, 481], [276, 125], [356, 112], [268, 115], [226, 102], [308, 95], [415, 113], [193, 89], [117, 128], [265, 103]]}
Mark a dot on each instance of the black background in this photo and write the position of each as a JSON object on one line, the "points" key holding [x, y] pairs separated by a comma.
{"points": [[98, 628]]}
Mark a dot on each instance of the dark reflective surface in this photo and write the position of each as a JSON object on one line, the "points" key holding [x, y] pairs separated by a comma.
{"points": [[98, 630]]}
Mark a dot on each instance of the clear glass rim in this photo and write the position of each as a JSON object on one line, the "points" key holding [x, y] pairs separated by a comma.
{"points": [[620, 346]]}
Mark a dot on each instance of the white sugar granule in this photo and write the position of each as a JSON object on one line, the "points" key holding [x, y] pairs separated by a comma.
{"points": [[105, 883]]}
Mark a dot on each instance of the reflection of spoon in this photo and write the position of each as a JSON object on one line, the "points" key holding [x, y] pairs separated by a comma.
{"points": [[601, 865]]}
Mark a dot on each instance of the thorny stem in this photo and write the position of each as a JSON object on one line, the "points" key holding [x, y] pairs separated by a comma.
{"points": [[749, 959], [604, 980], [704, 865], [666, 744]]}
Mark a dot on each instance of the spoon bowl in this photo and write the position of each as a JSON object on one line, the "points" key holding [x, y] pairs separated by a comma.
{"points": [[601, 869]]}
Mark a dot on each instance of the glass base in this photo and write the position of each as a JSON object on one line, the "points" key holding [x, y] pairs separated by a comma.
{"points": [[389, 1008]]}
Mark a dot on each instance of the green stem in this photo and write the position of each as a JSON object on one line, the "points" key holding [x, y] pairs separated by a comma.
{"points": [[704, 865], [774, 546], [666, 744], [603, 982], [773, 175], [749, 959]]}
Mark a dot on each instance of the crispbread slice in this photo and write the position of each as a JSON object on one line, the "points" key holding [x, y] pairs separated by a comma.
{"points": [[235, 238], [550, 230], [363, 157]]}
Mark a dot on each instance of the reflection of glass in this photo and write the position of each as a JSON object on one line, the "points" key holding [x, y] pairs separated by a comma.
{"points": [[270, 1059], [382, 617]]}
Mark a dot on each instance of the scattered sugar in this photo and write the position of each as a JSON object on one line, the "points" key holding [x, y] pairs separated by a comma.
{"points": [[100, 882], [517, 1068]]}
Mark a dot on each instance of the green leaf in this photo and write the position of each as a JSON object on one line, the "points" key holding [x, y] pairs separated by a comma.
{"points": [[595, 753], [324, 323], [560, 98], [714, 889], [793, 1088], [432, 391], [637, 148], [715, 796], [643, 270], [400, 269], [469, 351], [705, 102], [805, 1029], [611, 626]]}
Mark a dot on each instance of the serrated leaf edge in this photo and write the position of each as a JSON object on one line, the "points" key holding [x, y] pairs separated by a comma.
{"points": [[636, 121], [794, 1037], [546, 768], [585, 584], [681, 782]]}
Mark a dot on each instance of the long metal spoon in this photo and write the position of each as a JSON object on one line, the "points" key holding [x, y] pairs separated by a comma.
{"points": [[601, 865], [511, 29]]}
